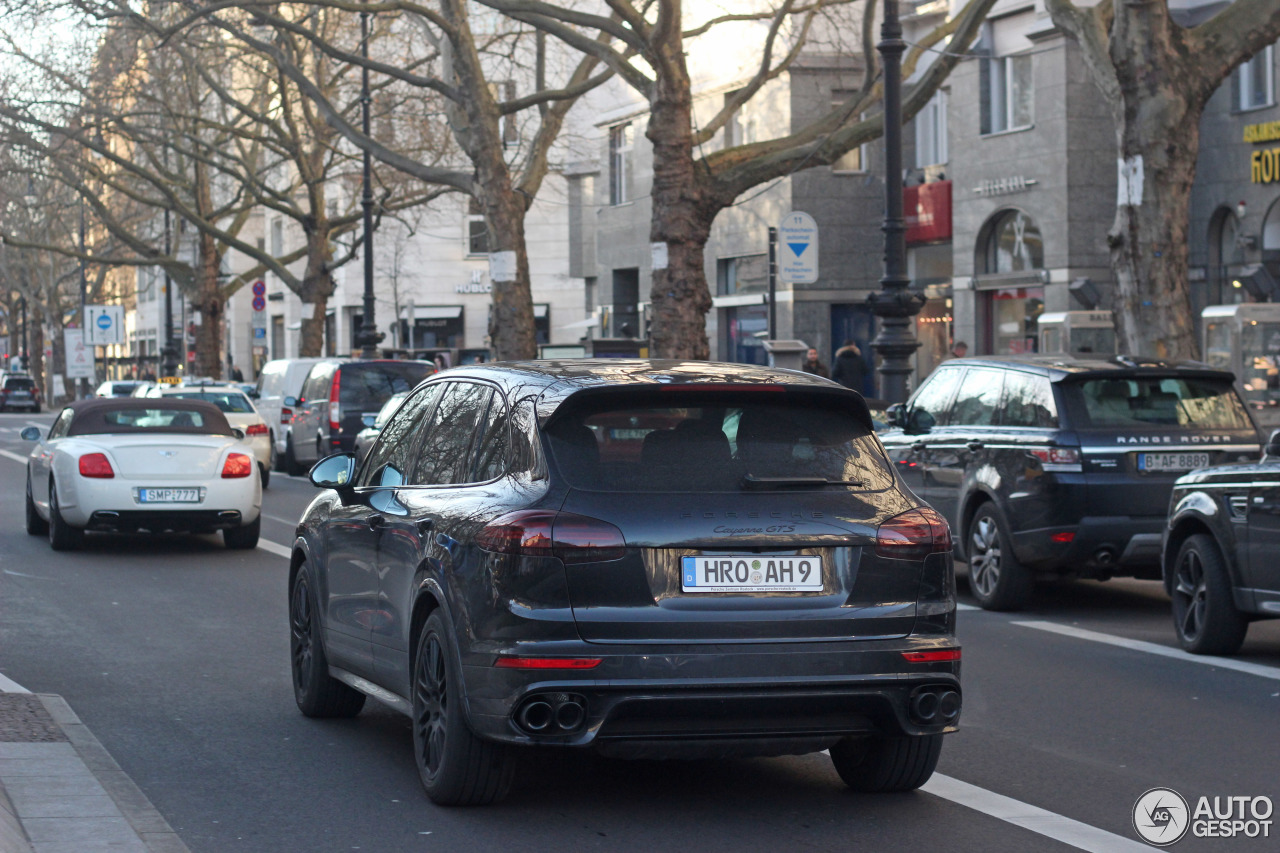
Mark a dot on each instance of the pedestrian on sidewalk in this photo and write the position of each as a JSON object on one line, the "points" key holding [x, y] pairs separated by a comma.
{"points": [[813, 364], [849, 367]]}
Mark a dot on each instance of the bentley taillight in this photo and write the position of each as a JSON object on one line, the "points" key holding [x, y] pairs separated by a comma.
{"points": [[97, 466], [237, 465]]}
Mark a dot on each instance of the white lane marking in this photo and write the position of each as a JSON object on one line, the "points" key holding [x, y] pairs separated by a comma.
{"points": [[1038, 820], [8, 685], [15, 457], [960, 606], [289, 521], [275, 548], [1156, 649]]}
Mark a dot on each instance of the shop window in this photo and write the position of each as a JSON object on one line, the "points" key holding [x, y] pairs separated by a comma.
{"points": [[621, 137], [931, 132], [1010, 319], [1012, 244], [855, 159], [743, 342], [477, 229], [1006, 91], [748, 274], [1253, 83]]}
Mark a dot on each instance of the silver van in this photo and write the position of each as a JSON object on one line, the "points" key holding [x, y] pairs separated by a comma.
{"points": [[278, 379]]}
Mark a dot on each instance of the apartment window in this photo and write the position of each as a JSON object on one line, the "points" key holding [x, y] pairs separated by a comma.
{"points": [[1253, 83], [277, 237], [855, 159], [477, 229], [931, 132], [620, 139], [1006, 93]]}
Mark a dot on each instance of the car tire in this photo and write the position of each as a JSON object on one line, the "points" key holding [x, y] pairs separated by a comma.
{"points": [[265, 473], [243, 538], [882, 765], [996, 578], [277, 458], [317, 693], [292, 466], [62, 536], [456, 767], [36, 525], [1204, 612]]}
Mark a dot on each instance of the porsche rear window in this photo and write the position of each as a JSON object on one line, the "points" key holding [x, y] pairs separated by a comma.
{"points": [[720, 443]]}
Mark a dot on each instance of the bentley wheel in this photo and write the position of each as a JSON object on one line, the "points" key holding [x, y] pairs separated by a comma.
{"points": [[62, 536], [317, 693], [1204, 614], [996, 578], [455, 766]]}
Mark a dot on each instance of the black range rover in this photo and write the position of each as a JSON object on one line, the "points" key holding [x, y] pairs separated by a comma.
{"points": [[1055, 466]]}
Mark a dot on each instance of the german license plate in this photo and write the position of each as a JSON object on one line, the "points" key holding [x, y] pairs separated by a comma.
{"points": [[169, 496], [751, 573], [1172, 461], [19, 395]]}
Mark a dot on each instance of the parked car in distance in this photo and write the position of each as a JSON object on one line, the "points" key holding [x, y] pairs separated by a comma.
{"points": [[239, 412], [1061, 466], [335, 398], [278, 379], [117, 388], [124, 465], [19, 391], [1220, 552], [373, 424], [645, 558]]}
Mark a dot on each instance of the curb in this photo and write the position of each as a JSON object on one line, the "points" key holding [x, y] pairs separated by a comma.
{"points": [[141, 820]]}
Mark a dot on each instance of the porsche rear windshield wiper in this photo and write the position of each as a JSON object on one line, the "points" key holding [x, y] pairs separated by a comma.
{"points": [[751, 481]]}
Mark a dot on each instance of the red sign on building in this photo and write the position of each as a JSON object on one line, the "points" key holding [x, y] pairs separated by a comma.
{"points": [[928, 212]]}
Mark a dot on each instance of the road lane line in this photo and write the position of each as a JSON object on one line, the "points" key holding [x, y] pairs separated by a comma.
{"points": [[15, 457], [960, 606], [8, 685], [289, 521], [275, 548], [1258, 669], [1038, 820]]}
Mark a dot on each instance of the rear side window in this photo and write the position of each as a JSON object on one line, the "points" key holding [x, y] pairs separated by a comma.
{"points": [[1156, 401], [1028, 401], [365, 387], [721, 442], [318, 381]]}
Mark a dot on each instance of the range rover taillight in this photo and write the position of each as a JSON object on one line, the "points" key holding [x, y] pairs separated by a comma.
{"points": [[543, 533], [913, 534]]}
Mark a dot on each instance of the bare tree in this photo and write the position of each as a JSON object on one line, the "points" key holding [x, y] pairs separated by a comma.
{"points": [[646, 43], [1157, 76]]}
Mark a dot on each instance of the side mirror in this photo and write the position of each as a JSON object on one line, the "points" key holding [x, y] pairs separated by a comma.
{"points": [[897, 415], [238, 433], [919, 421], [254, 394], [334, 472], [368, 420], [1272, 448], [30, 434], [291, 402]]}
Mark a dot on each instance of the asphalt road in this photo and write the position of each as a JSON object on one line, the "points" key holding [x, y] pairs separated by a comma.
{"points": [[174, 651]]}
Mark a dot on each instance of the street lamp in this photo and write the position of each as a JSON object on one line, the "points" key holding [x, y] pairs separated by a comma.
{"points": [[168, 356], [368, 337], [894, 303]]}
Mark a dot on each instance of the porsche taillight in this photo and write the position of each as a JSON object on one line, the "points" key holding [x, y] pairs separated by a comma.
{"points": [[913, 534], [237, 465], [543, 533], [97, 466]]}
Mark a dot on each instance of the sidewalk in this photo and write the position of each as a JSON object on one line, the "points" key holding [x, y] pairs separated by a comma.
{"points": [[61, 792]]}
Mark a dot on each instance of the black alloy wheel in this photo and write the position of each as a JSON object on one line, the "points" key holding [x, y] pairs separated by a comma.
{"points": [[1204, 614], [996, 578], [882, 765], [62, 536], [36, 525], [455, 766], [317, 693]]}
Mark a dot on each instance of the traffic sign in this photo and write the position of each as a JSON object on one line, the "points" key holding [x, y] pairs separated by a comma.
{"points": [[259, 288], [104, 325], [79, 355], [259, 332], [798, 258], [259, 303]]}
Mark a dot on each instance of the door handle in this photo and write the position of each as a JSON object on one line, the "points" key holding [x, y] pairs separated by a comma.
{"points": [[376, 521], [974, 445]]}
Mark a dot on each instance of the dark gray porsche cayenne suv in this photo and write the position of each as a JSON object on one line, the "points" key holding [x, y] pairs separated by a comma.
{"points": [[647, 558]]}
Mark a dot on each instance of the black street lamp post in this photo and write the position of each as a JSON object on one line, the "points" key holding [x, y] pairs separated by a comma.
{"points": [[83, 384], [894, 303], [368, 337], [22, 344], [169, 355]]}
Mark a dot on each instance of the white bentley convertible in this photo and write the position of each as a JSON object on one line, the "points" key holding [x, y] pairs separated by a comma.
{"points": [[125, 464]]}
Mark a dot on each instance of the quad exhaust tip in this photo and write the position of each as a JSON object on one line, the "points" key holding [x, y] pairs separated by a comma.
{"points": [[552, 714]]}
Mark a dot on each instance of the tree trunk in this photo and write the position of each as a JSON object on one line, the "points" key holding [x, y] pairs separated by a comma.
{"points": [[35, 358], [679, 298], [317, 287], [511, 328], [311, 335], [211, 304]]}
